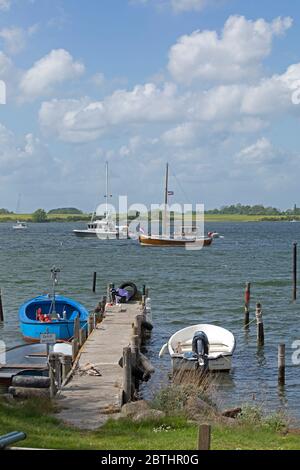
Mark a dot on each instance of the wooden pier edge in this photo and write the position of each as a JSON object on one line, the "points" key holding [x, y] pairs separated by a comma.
{"points": [[109, 366]]}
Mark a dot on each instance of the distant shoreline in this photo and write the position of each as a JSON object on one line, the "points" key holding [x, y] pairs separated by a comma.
{"points": [[208, 218]]}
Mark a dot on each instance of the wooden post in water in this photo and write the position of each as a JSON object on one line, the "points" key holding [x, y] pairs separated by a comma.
{"points": [[94, 281], [1, 308], [247, 304], [260, 326], [204, 437], [281, 364], [127, 375], [294, 272]]}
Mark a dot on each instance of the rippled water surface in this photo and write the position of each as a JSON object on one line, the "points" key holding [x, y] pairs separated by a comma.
{"points": [[186, 288]]}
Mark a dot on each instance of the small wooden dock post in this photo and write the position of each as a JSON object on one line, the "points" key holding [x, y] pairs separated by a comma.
{"points": [[281, 364], [94, 282], [66, 366], [75, 348], [90, 325], [51, 362], [294, 272], [1, 308], [204, 437], [247, 304], [260, 325], [127, 375]]}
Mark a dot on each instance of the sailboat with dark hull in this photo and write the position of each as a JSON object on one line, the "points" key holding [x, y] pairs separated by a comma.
{"points": [[166, 239]]}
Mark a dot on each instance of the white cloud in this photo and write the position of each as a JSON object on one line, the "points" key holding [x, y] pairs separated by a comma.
{"points": [[5, 5], [14, 39], [84, 120], [178, 6], [19, 159], [236, 54], [188, 5], [259, 153], [98, 79], [53, 69]]}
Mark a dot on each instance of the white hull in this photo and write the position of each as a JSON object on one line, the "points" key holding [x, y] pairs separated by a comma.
{"points": [[221, 346], [221, 364], [98, 234]]}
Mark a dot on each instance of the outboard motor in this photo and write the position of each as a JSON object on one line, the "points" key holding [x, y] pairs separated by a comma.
{"points": [[200, 348]]}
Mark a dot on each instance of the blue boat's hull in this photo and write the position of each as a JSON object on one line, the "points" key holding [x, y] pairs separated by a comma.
{"points": [[64, 331], [63, 328]]}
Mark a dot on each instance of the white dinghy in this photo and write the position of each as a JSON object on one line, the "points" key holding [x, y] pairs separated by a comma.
{"points": [[201, 346]]}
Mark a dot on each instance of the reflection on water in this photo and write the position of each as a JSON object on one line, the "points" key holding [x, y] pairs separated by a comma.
{"points": [[186, 288]]}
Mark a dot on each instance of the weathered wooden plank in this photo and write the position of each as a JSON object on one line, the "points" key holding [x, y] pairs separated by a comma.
{"points": [[87, 400]]}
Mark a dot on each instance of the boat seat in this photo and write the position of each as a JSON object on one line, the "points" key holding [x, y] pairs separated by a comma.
{"points": [[213, 348], [218, 348], [74, 315]]}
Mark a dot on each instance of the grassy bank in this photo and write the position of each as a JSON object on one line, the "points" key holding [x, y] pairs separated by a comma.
{"points": [[171, 433], [50, 218], [208, 218]]}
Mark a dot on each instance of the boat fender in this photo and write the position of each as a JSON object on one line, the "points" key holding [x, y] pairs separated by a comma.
{"points": [[147, 325]]}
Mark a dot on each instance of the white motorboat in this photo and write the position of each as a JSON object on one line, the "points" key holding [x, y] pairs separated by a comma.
{"points": [[20, 226], [104, 228], [201, 347]]}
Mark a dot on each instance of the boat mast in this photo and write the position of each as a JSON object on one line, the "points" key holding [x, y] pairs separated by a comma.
{"points": [[106, 197], [166, 199]]}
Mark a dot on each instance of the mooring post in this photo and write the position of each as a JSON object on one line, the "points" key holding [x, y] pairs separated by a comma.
{"points": [[1, 308], [58, 371], [138, 324], [82, 337], [76, 328], [94, 281], [75, 348], [247, 304], [260, 325], [66, 366], [51, 363], [294, 272], [281, 364], [127, 375], [204, 437], [90, 325]]}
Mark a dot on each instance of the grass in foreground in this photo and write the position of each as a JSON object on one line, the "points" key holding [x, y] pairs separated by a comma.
{"points": [[172, 433]]}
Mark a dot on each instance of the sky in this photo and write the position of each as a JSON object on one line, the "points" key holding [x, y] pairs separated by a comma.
{"points": [[210, 86]]}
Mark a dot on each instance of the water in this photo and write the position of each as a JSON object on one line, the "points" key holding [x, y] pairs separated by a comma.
{"points": [[186, 288]]}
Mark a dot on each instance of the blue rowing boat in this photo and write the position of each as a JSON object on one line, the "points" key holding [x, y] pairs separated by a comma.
{"points": [[52, 315]]}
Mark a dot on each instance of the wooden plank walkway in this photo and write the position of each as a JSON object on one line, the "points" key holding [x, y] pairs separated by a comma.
{"points": [[87, 400]]}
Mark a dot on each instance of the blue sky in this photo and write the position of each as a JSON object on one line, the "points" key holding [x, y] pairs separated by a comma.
{"points": [[208, 85]]}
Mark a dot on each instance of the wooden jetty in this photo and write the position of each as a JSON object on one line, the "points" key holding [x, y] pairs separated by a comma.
{"points": [[102, 379]]}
